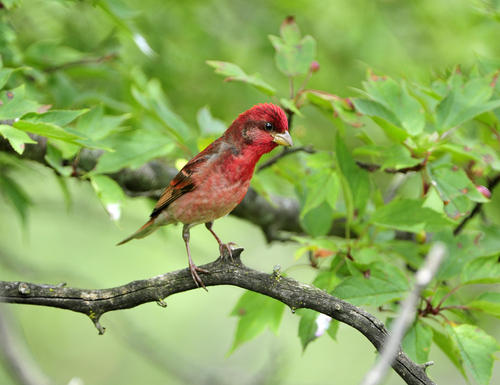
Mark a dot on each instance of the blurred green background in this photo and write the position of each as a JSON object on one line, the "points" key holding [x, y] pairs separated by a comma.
{"points": [[187, 343]]}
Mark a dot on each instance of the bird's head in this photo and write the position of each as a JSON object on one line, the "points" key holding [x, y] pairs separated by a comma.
{"points": [[261, 128]]}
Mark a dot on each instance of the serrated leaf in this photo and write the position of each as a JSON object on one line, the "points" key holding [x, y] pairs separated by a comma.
{"points": [[456, 190], [293, 57], [235, 73], [487, 302], [481, 270], [16, 196], [256, 312], [385, 283], [417, 342], [16, 138], [464, 102], [208, 124], [395, 98], [476, 349], [449, 347], [409, 215]]}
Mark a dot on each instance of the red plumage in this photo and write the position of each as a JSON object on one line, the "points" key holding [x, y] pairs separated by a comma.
{"points": [[212, 184]]}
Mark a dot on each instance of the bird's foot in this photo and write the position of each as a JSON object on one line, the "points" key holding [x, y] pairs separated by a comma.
{"points": [[226, 250], [194, 273]]}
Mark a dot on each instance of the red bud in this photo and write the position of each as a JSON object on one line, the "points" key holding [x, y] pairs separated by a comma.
{"points": [[314, 66], [484, 190]]}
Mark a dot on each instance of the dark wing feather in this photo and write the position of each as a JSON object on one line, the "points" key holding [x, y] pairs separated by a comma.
{"points": [[180, 185]]}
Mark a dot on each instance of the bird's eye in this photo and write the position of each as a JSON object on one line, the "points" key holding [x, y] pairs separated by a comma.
{"points": [[269, 126]]}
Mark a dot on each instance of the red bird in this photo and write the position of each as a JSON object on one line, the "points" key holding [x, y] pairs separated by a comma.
{"points": [[216, 180]]}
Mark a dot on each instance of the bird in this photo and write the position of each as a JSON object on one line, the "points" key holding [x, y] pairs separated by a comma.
{"points": [[216, 180]]}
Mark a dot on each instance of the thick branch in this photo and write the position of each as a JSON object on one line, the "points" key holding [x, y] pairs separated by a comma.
{"points": [[149, 180], [94, 303]]}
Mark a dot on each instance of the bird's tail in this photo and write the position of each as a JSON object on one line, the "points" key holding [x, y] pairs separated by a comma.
{"points": [[146, 229]]}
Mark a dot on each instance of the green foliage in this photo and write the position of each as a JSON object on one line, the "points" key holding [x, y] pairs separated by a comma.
{"points": [[397, 163], [256, 312]]}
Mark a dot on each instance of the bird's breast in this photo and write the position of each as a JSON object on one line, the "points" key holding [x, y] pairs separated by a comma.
{"points": [[215, 196]]}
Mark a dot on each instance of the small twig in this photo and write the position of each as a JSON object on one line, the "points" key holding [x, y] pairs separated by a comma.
{"points": [[406, 316], [81, 62], [477, 208], [285, 152], [375, 167], [447, 295]]}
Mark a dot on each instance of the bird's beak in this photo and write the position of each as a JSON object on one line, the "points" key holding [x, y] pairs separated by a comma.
{"points": [[284, 139]]}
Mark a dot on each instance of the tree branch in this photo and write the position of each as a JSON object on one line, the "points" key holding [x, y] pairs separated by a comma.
{"points": [[149, 180], [286, 151], [95, 303]]}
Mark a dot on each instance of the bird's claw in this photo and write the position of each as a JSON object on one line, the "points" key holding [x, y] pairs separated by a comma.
{"points": [[226, 250], [196, 278]]}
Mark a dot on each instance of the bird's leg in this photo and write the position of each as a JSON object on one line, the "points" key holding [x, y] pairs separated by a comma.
{"points": [[222, 246], [192, 267]]}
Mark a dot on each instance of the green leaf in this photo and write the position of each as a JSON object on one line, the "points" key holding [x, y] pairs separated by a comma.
{"points": [[385, 283], [54, 158], [289, 104], [14, 194], [456, 190], [409, 215], [488, 303], [460, 252], [307, 326], [357, 179], [482, 270], [235, 73], [208, 124], [4, 76], [133, 148], [417, 342], [153, 99], [14, 105], [313, 325], [449, 347], [318, 221], [321, 187], [293, 54], [395, 98], [49, 130], [476, 349], [256, 312], [56, 117], [109, 193], [16, 138], [95, 125], [464, 102]]}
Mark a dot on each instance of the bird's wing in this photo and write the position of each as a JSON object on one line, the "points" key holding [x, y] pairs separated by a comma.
{"points": [[182, 183]]}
